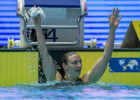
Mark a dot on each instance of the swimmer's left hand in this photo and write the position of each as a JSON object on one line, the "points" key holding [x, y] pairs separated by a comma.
{"points": [[113, 19]]}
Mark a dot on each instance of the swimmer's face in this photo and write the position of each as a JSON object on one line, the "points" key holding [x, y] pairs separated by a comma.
{"points": [[73, 66]]}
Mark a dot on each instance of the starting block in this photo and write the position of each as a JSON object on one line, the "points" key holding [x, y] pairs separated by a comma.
{"points": [[63, 24]]}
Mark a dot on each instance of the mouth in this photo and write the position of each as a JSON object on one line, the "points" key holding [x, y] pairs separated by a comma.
{"points": [[78, 70]]}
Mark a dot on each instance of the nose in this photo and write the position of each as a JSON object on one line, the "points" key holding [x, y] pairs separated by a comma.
{"points": [[79, 64]]}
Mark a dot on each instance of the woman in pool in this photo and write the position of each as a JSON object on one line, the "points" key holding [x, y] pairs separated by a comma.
{"points": [[71, 62]]}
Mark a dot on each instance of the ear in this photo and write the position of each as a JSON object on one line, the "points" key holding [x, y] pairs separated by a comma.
{"points": [[63, 65]]}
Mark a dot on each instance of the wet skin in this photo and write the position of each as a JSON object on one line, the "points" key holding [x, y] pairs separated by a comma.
{"points": [[73, 66]]}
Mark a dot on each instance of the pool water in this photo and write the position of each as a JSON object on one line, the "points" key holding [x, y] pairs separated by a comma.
{"points": [[55, 91]]}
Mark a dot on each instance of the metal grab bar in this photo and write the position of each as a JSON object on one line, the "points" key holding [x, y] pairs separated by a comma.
{"points": [[52, 43], [56, 26]]}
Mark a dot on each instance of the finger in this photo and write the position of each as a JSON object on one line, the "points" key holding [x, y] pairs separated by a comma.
{"points": [[120, 17], [116, 12], [109, 17], [113, 12], [34, 6]]}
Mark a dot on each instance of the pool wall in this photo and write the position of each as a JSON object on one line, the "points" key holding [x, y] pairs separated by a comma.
{"points": [[18, 67], [21, 66], [127, 76]]}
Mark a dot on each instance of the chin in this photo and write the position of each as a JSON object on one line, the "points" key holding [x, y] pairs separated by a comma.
{"points": [[78, 74]]}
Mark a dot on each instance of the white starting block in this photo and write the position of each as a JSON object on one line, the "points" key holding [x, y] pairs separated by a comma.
{"points": [[63, 24]]}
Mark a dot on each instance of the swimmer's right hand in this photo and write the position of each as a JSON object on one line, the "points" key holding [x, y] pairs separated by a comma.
{"points": [[37, 20], [36, 14]]}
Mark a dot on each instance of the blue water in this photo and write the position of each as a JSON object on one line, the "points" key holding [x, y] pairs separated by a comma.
{"points": [[53, 91]]}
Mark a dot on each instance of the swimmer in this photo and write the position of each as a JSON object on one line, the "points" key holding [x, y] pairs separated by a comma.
{"points": [[72, 62]]}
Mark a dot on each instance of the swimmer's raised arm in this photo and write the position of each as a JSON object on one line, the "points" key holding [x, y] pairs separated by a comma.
{"points": [[47, 61], [100, 66]]}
